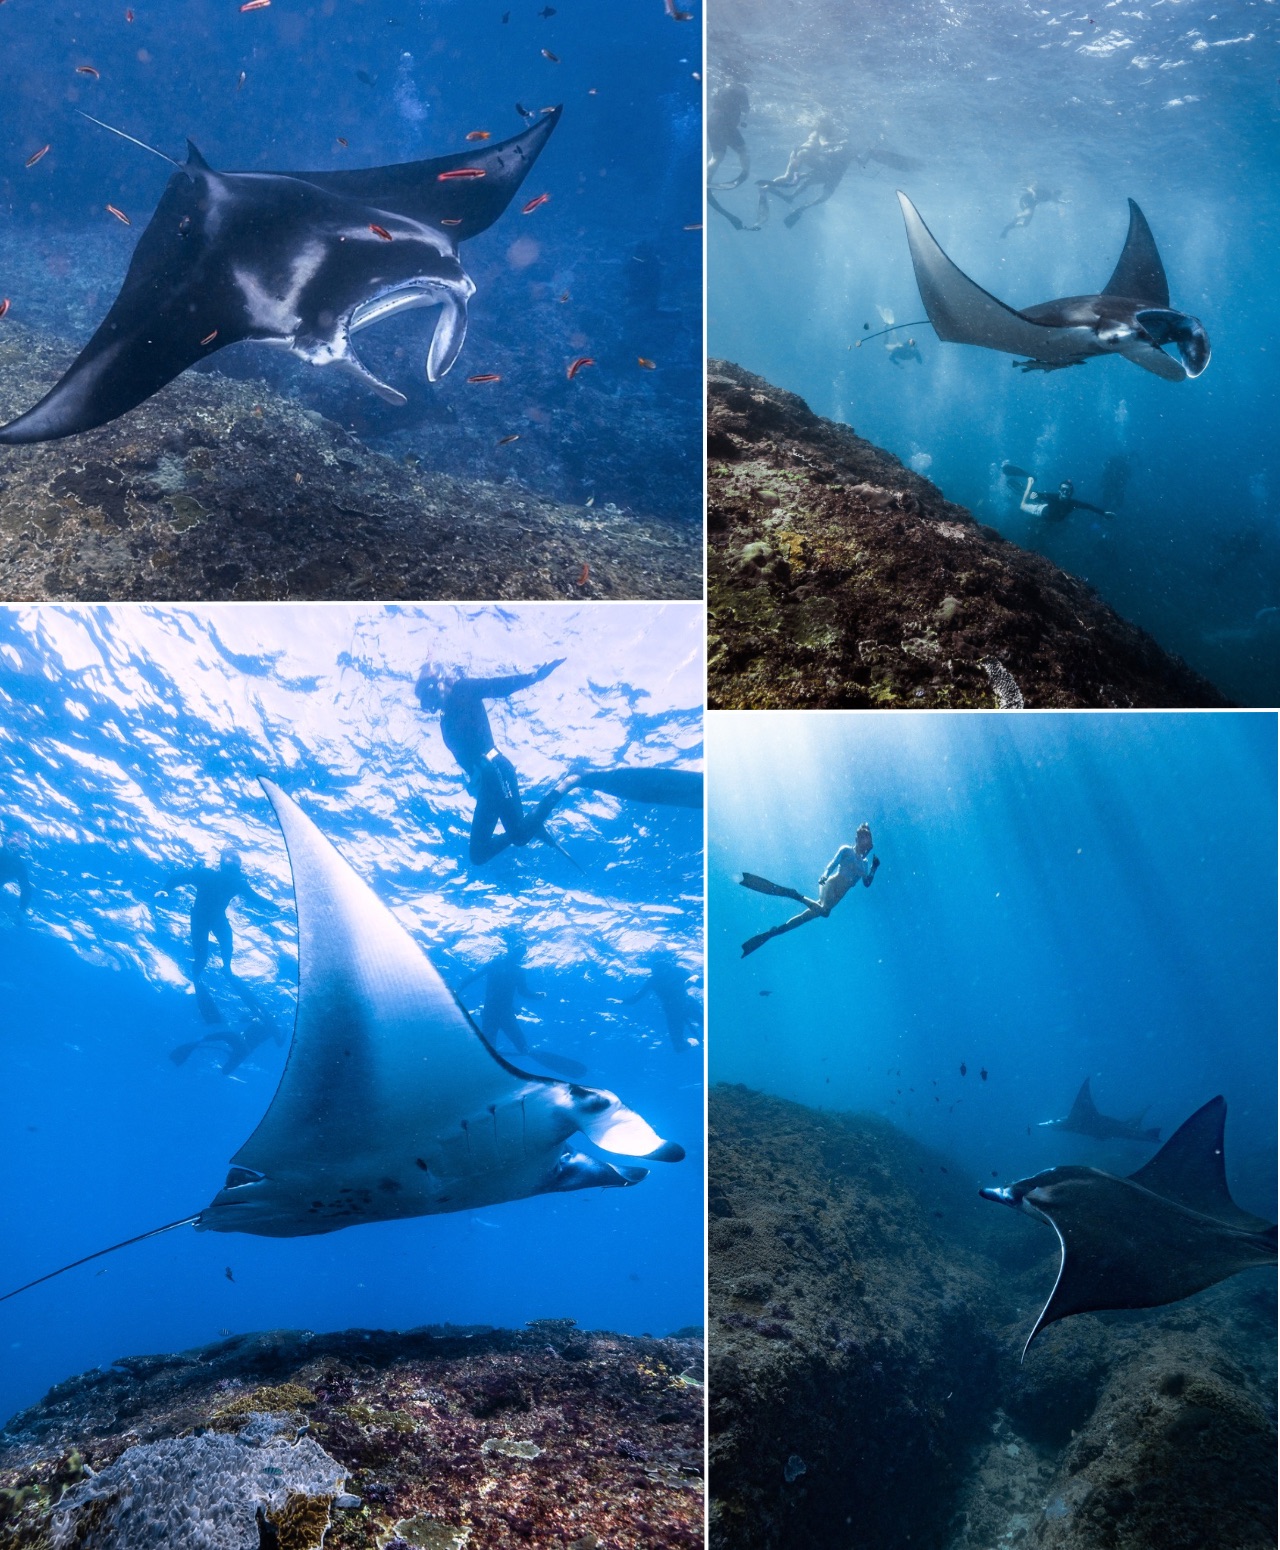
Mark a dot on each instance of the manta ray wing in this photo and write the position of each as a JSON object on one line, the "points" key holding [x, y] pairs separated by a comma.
{"points": [[961, 312], [1139, 275], [424, 191], [1191, 1169], [1084, 1115]]}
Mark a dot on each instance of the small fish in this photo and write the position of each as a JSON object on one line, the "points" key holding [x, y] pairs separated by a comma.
{"points": [[576, 366], [506, 441], [478, 134], [523, 112], [584, 575], [4, 306], [459, 172], [35, 157], [227, 1273], [119, 215], [676, 15], [646, 363], [591, 501], [128, 16], [380, 231], [363, 75], [241, 79], [547, 54], [533, 204], [563, 296], [591, 91], [88, 70], [547, 11], [994, 1174], [938, 1214], [224, 1333], [766, 992], [451, 220], [343, 141], [983, 1073], [694, 226], [506, 17], [255, 5], [486, 376], [964, 1070], [209, 338]]}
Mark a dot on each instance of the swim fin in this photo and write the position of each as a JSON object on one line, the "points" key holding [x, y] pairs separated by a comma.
{"points": [[790, 220], [184, 1052], [666, 787], [763, 885], [753, 942], [1012, 471]]}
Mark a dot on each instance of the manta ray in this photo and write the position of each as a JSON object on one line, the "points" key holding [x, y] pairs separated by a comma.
{"points": [[392, 1103], [1085, 1120], [299, 260], [1130, 316], [1163, 1233]]}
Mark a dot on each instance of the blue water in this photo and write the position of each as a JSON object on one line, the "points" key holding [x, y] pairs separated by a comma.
{"points": [[130, 744], [1059, 897], [401, 80], [1175, 105]]}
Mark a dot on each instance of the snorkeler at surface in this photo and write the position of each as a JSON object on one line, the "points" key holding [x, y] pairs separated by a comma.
{"points": [[669, 985], [14, 869], [215, 890], [1028, 200], [1053, 505], [851, 865], [238, 1043], [819, 164]]}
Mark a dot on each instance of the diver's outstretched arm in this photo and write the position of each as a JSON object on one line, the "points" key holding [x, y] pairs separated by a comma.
{"points": [[1032, 510]]}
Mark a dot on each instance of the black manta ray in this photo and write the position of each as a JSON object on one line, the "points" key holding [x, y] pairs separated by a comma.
{"points": [[1130, 316], [1163, 1233], [300, 260], [1085, 1119]]}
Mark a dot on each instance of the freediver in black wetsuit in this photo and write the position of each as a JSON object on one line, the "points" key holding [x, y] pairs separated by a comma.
{"points": [[505, 983], [215, 890], [851, 865], [1053, 505], [14, 869], [669, 985], [726, 112], [238, 1043], [1028, 199], [820, 163]]}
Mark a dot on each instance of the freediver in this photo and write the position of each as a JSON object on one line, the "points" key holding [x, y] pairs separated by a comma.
{"points": [[14, 869], [1053, 505], [820, 163], [239, 1044], [726, 112], [505, 982], [214, 891], [669, 985], [1028, 199], [848, 867], [491, 777], [900, 353]]}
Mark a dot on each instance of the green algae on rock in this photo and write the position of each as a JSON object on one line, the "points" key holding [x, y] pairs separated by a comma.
{"points": [[838, 578]]}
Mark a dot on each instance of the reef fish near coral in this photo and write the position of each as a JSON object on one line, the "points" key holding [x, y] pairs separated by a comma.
{"points": [[1163, 1233], [297, 260], [392, 1103]]}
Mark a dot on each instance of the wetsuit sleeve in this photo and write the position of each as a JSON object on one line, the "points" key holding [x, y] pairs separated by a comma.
{"points": [[639, 995], [1085, 506], [526, 990], [180, 878], [472, 978], [833, 866], [251, 896], [500, 688]]}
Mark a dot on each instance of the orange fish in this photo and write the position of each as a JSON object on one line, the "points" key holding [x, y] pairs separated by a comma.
{"points": [[33, 159], [576, 366], [4, 306], [507, 440], [255, 5], [451, 220], [128, 16], [459, 172], [485, 376], [343, 142], [554, 58], [583, 575], [119, 215], [88, 70], [534, 203], [209, 338], [380, 231], [646, 363], [478, 134]]}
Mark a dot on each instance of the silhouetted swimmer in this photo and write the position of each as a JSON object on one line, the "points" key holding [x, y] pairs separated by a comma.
{"points": [[1028, 200], [239, 1044], [1053, 505], [215, 889], [726, 113], [14, 869], [817, 166], [505, 983], [670, 987], [851, 865], [490, 775], [900, 353]]}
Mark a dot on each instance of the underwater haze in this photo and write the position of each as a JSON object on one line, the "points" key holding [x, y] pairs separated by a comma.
{"points": [[1059, 897], [607, 265], [131, 743], [963, 106]]}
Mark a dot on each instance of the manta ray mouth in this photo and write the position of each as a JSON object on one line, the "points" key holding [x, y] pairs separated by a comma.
{"points": [[1164, 326], [451, 296]]}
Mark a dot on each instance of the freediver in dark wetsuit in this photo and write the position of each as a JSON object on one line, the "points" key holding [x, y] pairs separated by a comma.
{"points": [[14, 869], [851, 865], [669, 985], [505, 982], [1028, 199], [1053, 505], [238, 1043], [726, 111], [214, 892], [820, 163]]}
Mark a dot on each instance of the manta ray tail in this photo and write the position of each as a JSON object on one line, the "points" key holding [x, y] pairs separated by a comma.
{"points": [[187, 1221], [111, 129]]}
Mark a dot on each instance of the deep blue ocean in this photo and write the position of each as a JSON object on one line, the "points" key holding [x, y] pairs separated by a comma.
{"points": [[131, 742], [1173, 104], [610, 266], [1058, 897]]}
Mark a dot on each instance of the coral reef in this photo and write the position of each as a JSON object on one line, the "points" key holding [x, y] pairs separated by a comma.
{"points": [[367, 1440], [867, 1320], [219, 488], [837, 577]]}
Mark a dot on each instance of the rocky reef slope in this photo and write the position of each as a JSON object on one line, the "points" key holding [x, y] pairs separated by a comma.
{"points": [[223, 489], [837, 577], [867, 1317], [365, 1440]]}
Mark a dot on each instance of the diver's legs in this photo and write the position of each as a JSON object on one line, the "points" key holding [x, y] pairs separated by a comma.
{"points": [[511, 1027], [199, 945], [755, 942], [733, 220], [222, 931], [494, 806]]}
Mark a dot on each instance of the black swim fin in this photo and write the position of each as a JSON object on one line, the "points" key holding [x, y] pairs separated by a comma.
{"points": [[754, 942], [790, 220], [665, 787], [763, 885], [1012, 471], [184, 1052]]}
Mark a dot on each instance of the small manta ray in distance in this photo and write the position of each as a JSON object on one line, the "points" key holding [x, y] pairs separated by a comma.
{"points": [[1085, 1120], [299, 260], [392, 1103], [1130, 316], [1163, 1233]]}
